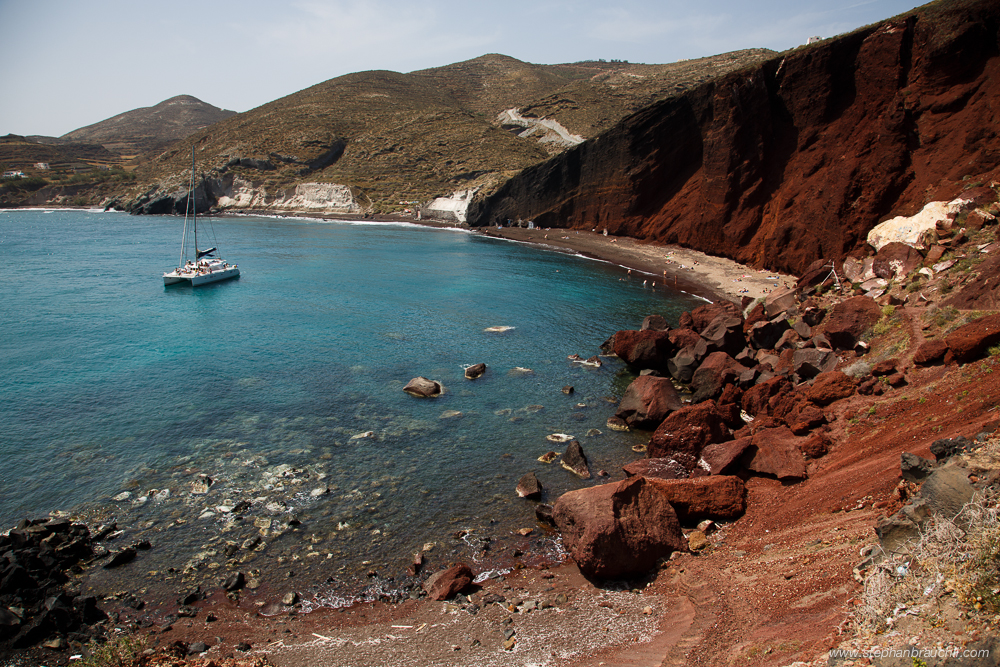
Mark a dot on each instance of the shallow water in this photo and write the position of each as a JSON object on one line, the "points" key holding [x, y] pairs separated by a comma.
{"points": [[114, 386]]}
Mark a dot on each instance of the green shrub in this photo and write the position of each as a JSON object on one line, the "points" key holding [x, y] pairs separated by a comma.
{"points": [[120, 651], [27, 184]]}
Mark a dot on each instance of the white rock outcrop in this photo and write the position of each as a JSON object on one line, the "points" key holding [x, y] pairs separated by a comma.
{"points": [[547, 131], [311, 197], [919, 230], [453, 208], [321, 197]]}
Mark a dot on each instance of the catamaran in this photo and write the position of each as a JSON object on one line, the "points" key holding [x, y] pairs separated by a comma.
{"points": [[207, 266]]}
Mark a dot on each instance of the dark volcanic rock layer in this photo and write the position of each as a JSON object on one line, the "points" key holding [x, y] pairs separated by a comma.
{"points": [[792, 160]]}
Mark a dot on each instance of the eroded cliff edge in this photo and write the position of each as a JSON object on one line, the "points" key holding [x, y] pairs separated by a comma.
{"points": [[792, 160]]}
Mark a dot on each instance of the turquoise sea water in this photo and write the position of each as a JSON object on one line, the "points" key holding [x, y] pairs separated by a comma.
{"points": [[114, 386]]}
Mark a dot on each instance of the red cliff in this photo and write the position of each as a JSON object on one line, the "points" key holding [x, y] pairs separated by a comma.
{"points": [[795, 159]]}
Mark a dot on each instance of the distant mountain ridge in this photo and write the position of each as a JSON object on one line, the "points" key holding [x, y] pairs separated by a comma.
{"points": [[150, 128], [391, 137]]}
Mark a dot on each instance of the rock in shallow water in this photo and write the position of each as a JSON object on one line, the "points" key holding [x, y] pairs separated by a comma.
{"points": [[475, 371], [529, 487], [421, 387]]}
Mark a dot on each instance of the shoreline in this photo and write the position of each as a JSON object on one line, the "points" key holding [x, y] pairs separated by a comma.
{"points": [[683, 269], [692, 271]]}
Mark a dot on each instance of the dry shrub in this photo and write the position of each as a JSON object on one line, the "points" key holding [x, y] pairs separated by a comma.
{"points": [[960, 556]]}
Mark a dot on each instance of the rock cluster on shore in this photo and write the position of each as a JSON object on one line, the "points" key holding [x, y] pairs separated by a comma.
{"points": [[38, 601], [732, 393]]}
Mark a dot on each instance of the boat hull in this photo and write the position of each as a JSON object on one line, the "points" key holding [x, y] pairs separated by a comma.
{"points": [[196, 279]]}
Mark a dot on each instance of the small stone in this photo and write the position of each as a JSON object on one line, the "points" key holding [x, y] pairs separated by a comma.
{"points": [[568, 389], [524, 532], [509, 644], [56, 644], [197, 647], [124, 556], [647, 610], [697, 540], [234, 582], [200, 486]]}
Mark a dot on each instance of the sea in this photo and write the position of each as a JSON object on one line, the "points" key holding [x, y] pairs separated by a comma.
{"points": [[260, 424]]}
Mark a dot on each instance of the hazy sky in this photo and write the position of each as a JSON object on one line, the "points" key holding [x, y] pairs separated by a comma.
{"points": [[71, 63]]}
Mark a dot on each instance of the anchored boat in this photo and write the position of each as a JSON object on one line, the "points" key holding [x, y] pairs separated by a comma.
{"points": [[207, 266]]}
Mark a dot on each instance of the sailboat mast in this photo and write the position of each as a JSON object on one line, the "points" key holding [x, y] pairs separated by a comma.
{"points": [[194, 199]]}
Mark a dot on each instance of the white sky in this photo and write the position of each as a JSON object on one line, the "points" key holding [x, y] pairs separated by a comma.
{"points": [[71, 63]]}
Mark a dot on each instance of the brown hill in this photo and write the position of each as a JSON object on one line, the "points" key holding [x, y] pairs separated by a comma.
{"points": [[796, 158], [22, 154], [150, 128], [393, 136]]}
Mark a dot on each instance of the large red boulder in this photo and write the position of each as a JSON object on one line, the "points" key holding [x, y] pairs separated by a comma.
{"points": [[725, 333], [930, 352], [723, 457], [703, 315], [756, 315], [715, 372], [971, 341], [831, 386], [619, 530], [698, 498], [779, 301], [682, 338], [849, 319], [644, 349], [804, 417], [688, 430], [647, 402], [757, 400], [448, 582], [658, 468], [896, 260], [776, 451]]}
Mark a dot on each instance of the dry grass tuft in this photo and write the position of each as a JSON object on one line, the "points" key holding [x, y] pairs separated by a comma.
{"points": [[959, 557]]}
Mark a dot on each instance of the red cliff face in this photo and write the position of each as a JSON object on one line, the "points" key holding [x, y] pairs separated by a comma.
{"points": [[793, 160]]}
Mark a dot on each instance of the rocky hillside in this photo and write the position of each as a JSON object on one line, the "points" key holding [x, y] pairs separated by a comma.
{"points": [[796, 158], [24, 154], [150, 128], [386, 137]]}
